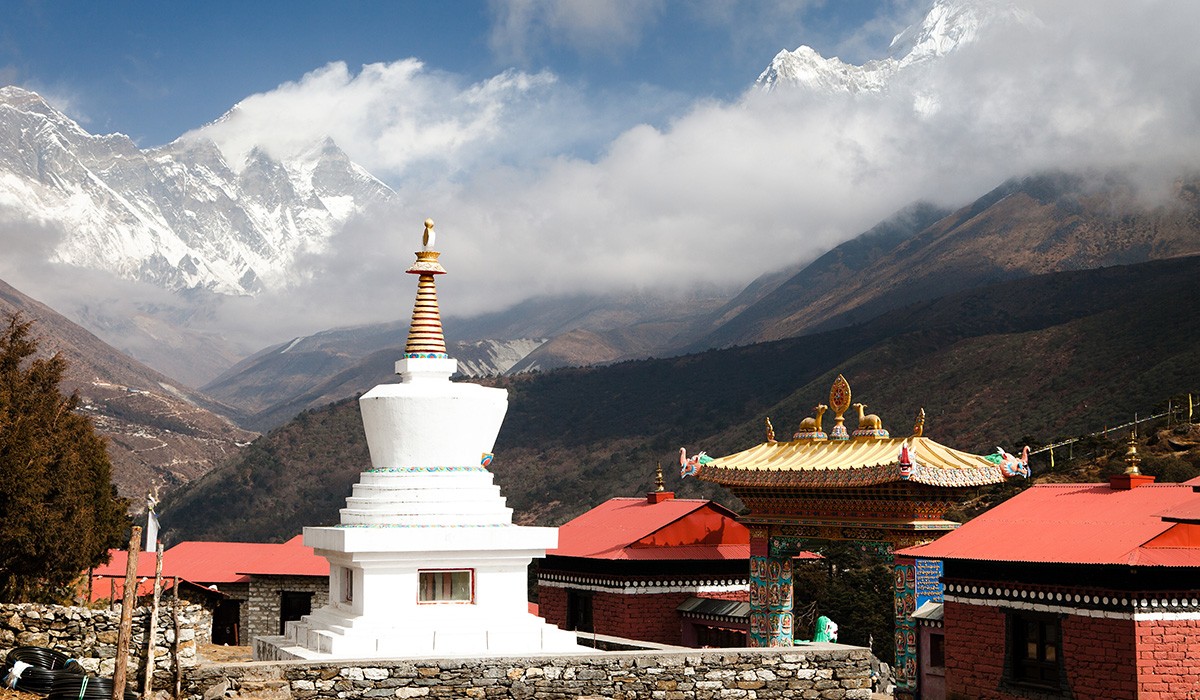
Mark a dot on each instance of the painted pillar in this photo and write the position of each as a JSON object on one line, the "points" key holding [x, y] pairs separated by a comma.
{"points": [[904, 588], [771, 621]]}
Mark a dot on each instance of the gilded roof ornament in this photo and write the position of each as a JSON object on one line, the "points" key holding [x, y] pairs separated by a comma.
{"points": [[919, 426], [839, 401], [1131, 456], [659, 484], [770, 430], [810, 428], [425, 336]]}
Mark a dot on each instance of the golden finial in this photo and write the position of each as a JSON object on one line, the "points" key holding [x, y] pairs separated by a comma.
{"points": [[919, 426], [1131, 455], [770, 430], [427, 240], [425, 337], [658, 479]]}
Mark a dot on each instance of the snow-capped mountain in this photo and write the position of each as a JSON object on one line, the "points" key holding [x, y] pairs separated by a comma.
{"points": [[948, 25], [177, 216]]}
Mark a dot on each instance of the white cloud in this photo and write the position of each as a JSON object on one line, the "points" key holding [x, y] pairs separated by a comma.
{"points": [[725, 191], [539, 186]]}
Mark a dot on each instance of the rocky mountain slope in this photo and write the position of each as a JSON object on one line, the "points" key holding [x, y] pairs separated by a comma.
{"points": [[1012, 363], [160, 433], [1046, 223], [276, 383]]}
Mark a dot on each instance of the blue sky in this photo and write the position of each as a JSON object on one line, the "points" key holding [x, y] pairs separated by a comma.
{"points": [[154, 70]]}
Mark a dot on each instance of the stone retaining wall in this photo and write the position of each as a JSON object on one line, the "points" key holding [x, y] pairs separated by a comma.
{"points": [[90, 635], [824, 671]]}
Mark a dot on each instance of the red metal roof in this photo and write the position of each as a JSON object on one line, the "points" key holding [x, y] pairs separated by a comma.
{"points": [[635, 528], [224, 562], [1076, 524]]}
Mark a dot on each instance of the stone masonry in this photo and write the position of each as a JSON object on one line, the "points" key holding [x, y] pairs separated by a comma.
{"points": [[817, 671], [90, 635], [261, 611]]}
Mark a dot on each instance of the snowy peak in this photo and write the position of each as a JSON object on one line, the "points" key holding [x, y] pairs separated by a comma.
{"points": [[177, 216], [949, 25]]}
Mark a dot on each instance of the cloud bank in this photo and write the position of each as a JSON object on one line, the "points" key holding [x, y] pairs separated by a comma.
{"points": [[543, 187]]}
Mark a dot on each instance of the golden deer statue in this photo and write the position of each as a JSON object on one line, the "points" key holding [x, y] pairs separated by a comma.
{"points": [[870, 421], [811, 424]]}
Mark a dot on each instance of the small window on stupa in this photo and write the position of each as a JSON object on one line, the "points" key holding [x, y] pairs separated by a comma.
{"points": [[447, 586], [347, 585]]}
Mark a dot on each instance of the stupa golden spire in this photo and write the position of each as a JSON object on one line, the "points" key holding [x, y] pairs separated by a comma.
{"points": [[425, 337]]}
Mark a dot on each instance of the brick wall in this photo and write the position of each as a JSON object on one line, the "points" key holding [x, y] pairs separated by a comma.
{"points": [[1098, 655], [975, 637], [1097, 652], [827, 671], [1167, 664], [552, 605], [649, 617]]}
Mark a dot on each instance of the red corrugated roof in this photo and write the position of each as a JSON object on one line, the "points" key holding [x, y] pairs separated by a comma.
{"points": [[635, 528], [1074, 524], [224, 562]]}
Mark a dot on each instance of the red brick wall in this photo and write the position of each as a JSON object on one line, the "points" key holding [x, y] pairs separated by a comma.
{"points": [[974, 650], [552, 605], [1098, 655], [650, 617], [1167, 665]]}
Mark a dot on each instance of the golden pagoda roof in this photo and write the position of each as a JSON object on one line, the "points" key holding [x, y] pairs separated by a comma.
{"points": [[849, 463], [865, 457]]}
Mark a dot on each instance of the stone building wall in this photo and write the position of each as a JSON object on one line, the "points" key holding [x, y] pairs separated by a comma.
{"points": [[261, 611], [826, 671], [90, 635]]}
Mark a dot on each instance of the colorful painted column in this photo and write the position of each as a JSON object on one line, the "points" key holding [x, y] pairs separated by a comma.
{"points": [[905, 589], [771, 620]]}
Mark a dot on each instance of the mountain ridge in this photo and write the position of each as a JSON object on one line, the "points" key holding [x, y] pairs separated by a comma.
{"points": [[160, 433]]}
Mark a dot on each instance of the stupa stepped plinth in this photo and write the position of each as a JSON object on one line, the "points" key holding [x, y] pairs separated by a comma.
{"points": [[425, 559]]}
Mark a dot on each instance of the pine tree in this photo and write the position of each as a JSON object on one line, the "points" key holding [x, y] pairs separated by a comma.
{"points": [[59, 512]]}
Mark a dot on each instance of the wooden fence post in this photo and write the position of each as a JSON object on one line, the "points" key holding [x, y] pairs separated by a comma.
{"points": [[152, 632], [125, 632], [175, 647]]}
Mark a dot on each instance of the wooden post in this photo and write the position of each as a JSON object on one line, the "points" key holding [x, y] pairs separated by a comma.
{"points": [[175, 647], [112, 592], [152, 632], [125, 632]]}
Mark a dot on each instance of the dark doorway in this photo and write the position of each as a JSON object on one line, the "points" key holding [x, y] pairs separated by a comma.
{"points": [[226, 618], [579, 610], [293, 605]]}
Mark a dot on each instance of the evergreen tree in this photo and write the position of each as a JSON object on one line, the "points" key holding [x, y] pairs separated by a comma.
{"points": [[59, 512]]}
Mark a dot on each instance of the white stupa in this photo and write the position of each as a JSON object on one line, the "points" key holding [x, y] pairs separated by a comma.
{"points": [[426, 559]]}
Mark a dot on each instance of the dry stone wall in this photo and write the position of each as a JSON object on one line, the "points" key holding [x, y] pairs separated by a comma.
{"points": [[818, 671], [90, 635]]}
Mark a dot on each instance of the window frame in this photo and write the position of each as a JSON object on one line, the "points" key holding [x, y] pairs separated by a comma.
{"points": [[1018, 667], [470, 572]]}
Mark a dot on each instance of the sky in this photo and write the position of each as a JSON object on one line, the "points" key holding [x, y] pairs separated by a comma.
{"points": [[154, 70], [582, 146]]}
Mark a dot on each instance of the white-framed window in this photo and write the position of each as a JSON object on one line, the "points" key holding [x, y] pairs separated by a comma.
{"points": [[347, 585], [446, 586]]}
